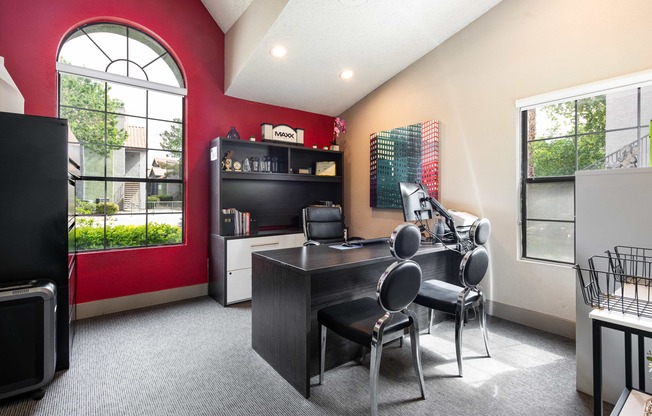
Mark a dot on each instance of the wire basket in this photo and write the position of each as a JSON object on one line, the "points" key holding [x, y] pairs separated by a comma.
{"points": [[644, 254], [621, 280]]}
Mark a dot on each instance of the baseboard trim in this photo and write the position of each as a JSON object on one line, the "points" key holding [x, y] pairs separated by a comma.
{"points": [[538, 320], [141, 300]]}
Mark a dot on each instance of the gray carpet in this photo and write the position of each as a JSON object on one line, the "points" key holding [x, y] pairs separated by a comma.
{"points": [[194, 358]]}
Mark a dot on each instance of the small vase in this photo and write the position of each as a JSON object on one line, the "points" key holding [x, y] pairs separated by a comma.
{"points": [[233, 134]]}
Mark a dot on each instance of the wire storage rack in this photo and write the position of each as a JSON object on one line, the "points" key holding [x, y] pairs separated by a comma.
{"points": [[621, 280], [644, 253]]}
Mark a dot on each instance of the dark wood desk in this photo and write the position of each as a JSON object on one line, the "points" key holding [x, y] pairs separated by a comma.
{"points": [[290, 285]]}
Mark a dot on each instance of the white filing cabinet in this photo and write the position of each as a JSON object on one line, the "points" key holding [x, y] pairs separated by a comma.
{"points": [[230, 280]]}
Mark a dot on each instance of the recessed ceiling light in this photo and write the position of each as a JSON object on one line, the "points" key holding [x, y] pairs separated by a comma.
{"points": [[352, 2], [346, 74], [278, 51]]}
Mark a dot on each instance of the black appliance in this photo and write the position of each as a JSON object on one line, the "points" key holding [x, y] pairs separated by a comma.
{"points": [[36, 215], [27, 331]]}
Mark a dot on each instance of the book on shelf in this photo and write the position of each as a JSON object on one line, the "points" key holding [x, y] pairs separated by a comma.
{"points": [[238, 221]]}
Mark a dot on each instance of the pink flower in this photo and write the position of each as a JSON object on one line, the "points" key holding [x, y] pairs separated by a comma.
{"points": [[339, 127]]}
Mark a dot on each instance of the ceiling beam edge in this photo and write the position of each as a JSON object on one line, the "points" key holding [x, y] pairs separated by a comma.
{"points": [[246, 34]]}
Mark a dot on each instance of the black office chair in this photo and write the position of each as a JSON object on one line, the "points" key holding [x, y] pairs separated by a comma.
{"points": [[323, 225], [458, 300], [373, 322]]}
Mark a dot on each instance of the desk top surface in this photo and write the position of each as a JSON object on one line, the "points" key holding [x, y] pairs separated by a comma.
{"points": [[324, 257], [619, 318]]}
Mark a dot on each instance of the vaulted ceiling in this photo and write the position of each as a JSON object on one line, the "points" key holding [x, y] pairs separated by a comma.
{"points": [[374, 39]]}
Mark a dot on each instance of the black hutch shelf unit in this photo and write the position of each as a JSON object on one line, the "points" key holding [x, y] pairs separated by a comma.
{"points": [[274, 200]]}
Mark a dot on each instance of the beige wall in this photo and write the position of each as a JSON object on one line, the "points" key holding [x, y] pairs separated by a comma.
{"points": [[470, 83]]}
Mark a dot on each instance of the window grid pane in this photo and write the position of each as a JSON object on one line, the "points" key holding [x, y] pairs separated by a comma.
{"points": [[623, 110], [553, 241], [553, 157], [551, 201], [590, 150], [554, 120]]}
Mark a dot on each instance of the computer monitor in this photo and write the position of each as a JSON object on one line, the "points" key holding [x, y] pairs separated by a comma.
{"points": [[416, 201]]}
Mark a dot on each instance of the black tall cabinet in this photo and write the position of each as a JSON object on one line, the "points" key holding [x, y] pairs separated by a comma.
{"points": [[37, 212]]}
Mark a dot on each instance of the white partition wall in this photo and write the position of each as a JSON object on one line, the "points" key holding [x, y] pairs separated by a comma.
{"points": [[613, 207]]}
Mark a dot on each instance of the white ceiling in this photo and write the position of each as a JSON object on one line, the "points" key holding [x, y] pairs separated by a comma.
{"points": [[376, 39]]}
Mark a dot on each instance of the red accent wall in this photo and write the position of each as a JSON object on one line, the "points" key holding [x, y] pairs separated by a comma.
{"points": [[30, 35]]}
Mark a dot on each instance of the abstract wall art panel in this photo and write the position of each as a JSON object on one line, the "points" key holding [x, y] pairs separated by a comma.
{"points": [[403, 154]]}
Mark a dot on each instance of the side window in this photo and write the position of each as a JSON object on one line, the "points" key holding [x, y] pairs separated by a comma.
{"points": [[124, 97], [606, 130]]}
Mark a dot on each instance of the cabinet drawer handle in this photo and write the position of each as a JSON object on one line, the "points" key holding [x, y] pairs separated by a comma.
{"points": [[266, 244]]}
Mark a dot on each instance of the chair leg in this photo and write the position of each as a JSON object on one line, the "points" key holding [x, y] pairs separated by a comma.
{"points": [[374, 367], [483, 324], [363, 354], [431, 319], [322, 355], [459, 326], [416, 356]]}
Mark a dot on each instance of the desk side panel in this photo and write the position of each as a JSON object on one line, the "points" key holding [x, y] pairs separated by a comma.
{"points": [[279, 312]]}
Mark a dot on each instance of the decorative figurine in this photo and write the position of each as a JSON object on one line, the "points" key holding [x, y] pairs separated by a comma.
{"points": [[226, 161], [246, 167], [255, 164]]}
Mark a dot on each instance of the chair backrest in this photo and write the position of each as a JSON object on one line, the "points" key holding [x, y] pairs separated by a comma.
{"points": [[474, 266], [480, 231], [404, 241], [323, 224], [400, 283]]}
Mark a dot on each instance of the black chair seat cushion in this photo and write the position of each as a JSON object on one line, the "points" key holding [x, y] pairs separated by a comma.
{"points": [[442, 296], [355, 320]]}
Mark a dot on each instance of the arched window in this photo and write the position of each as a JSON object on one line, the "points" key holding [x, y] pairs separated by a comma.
{"points": [[123, 95]]}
